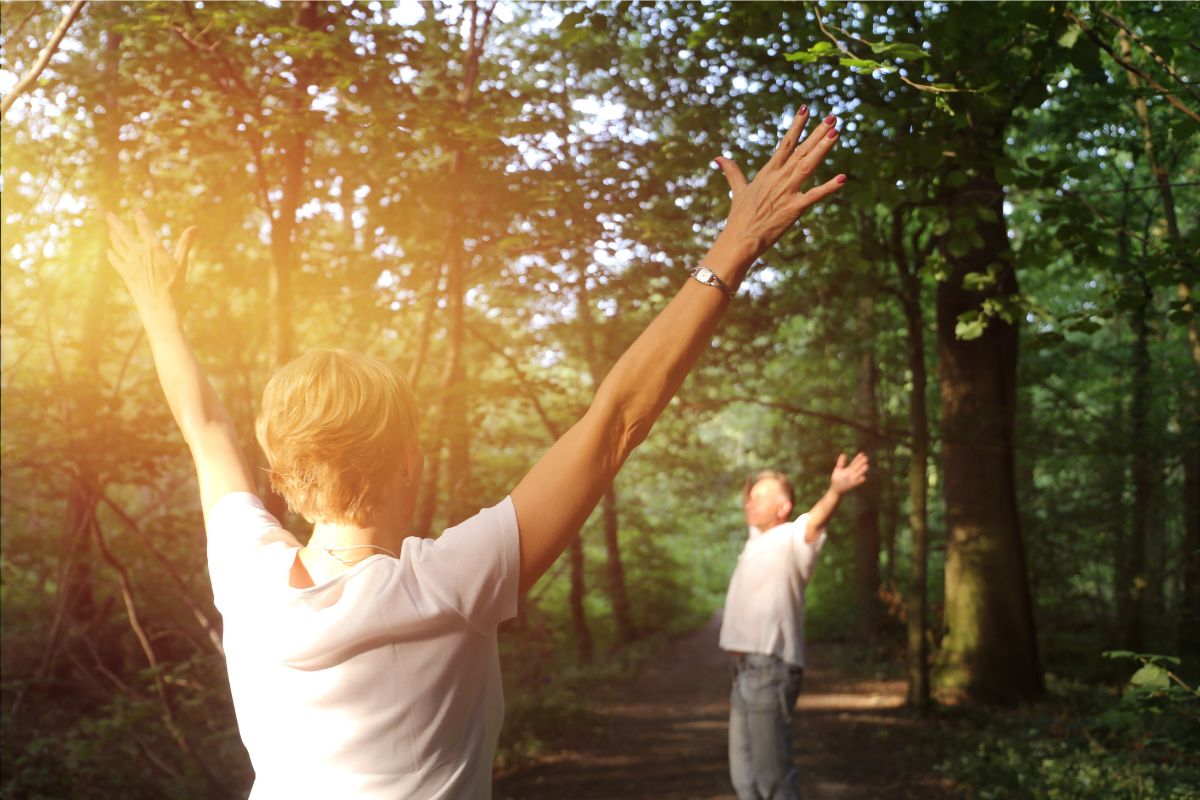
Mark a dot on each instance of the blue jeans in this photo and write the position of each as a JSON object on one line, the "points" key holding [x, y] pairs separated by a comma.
{"points": [[761, 760]]}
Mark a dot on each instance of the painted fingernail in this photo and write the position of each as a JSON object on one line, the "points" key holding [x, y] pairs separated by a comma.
{"points": [[833, 134], [803, 110], [831, 119], [840, 179]]}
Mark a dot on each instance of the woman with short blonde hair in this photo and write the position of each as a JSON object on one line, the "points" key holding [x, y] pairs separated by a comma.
{"points": [[364, 663]]}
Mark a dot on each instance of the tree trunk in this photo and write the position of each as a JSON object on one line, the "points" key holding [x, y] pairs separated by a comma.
{"points": [[618, 594], [989, 652], [916, 611], [583, 637], [74, 604], [866, 540], [281, 333], [615, 571], [453, 414], [454, 397], [1132, 589], [283, 223], [427, 507], [1190, 612]]}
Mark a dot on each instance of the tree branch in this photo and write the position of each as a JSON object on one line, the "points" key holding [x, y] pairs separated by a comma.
{"points": [[548, 423], [176, 578], [1170, 98], [1123, 25], [47, 52], [167, 713], [921, 87], [894, 436]]}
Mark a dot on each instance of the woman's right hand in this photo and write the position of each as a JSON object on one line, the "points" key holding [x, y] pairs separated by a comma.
{"points": [[763, 209], [151, 274]]}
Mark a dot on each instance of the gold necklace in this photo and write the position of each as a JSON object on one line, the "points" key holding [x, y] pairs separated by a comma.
{"points": [[333, 552]]}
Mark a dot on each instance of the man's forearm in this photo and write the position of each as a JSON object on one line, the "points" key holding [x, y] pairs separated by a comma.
{"points": [[820, 514]]}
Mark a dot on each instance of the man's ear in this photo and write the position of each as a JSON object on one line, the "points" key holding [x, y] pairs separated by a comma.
{"points": [[785, 509]]}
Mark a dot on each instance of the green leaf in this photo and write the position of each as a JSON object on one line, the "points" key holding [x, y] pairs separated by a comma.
{"points": [[968, 328], [820, 47], [898, 50], [862, 64], [1151, 676], [1067, 40], [978, 281]]}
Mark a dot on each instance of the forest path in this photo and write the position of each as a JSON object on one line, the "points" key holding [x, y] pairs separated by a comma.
{"points": [[664, 735]]}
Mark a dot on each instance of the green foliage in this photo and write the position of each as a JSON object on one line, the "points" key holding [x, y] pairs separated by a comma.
{"points": [[586, 183], [1083, 743]]}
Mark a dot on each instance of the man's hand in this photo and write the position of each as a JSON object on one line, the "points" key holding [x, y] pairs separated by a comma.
{"points": [[844, 478], [151, 274], [849, 476]]}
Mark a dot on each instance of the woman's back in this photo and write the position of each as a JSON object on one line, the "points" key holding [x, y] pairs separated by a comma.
{"points": [[385, 681]]}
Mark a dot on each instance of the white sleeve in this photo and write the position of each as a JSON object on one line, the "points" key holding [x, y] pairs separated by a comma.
{"points": [[475, 566], [806, 554], [238, 527]]}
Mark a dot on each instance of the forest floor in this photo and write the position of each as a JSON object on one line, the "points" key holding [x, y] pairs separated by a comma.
{"points": [[664, 734]]}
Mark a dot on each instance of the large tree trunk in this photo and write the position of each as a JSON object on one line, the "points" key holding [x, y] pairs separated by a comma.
{"points": [[989, 652], [866, 518]]}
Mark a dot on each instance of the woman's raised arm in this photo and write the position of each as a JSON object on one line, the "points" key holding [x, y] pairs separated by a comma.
{"points": [[554, 500], [153, 276]]}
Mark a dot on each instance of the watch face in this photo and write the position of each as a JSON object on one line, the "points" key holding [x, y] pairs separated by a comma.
{"points": [[704, 275]]}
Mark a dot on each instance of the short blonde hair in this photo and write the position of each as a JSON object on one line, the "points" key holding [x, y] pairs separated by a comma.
{"points": [[337, 429]]}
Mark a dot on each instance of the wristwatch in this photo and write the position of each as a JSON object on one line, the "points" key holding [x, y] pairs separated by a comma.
{"points": [[709, 278]]}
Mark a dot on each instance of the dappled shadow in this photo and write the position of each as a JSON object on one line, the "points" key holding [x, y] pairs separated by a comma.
{"points": [[665, 736]]}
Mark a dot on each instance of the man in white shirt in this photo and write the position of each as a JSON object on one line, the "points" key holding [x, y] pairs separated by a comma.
{"points": [[763, 626]]}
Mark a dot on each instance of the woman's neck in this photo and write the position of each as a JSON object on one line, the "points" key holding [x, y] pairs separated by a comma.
{"points": [[356, 542]]}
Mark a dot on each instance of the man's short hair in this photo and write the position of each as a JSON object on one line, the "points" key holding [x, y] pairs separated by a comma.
{"points": [[754, 477], [337, 429]]}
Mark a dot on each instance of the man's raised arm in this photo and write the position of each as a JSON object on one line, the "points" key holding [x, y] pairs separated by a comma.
{"points": [[151, 274], [845, 478], [554, 500]]}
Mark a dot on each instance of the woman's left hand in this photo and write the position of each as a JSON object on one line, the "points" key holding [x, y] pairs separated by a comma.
{"points": [[763, 209]]}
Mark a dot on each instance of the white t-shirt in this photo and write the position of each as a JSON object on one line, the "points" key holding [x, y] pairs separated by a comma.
{"points": [[383, 682], [764, 606]]}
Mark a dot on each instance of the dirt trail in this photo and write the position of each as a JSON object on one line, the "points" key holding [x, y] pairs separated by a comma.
{"points": [[664, 736]]}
